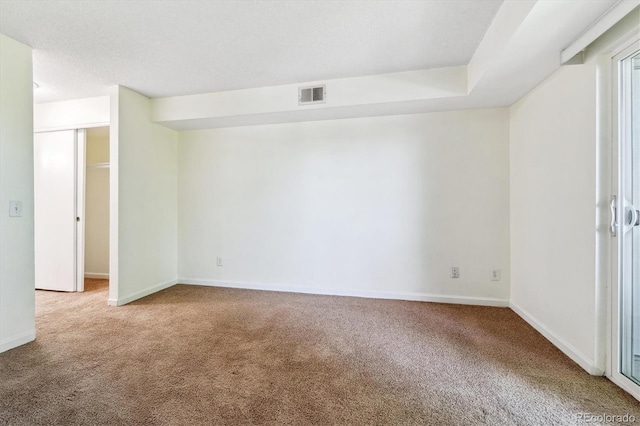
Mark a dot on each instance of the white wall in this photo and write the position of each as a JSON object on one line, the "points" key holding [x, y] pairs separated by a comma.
{"points": [[97, 204], [17, 301], [560, 160], [553, 210], [371, 206], [75, 113], [147, 199]]}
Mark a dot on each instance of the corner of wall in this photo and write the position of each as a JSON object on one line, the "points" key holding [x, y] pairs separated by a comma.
{"points": [[587, 363], [17, 340], [553, 292], [17, 281], [145, 178]]}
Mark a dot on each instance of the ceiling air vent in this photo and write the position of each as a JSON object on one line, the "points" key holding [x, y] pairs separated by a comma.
{"points": [[311, 95]]}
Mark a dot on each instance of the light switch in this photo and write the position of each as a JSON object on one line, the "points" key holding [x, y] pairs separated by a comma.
{"points": [[15, 208]]}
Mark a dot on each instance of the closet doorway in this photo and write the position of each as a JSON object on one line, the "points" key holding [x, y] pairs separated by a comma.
{"points": [[72, 196], [96, 212]]}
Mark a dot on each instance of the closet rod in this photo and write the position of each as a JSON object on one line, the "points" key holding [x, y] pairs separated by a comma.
{"points": [[98, 166]]}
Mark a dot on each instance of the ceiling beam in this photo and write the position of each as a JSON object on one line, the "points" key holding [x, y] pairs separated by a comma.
{"points": [[506, 23]]}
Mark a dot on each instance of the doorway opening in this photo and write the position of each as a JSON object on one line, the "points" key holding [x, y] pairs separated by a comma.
{"points": [[72, 197], [96, 210]]}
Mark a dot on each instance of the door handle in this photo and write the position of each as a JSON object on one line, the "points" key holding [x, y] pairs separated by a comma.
{"points": [[614, 222], [633, 217]]}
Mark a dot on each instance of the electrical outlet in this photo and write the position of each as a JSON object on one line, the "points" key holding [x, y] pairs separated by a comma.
{"points": [[455, 272], [218, 261], [495, 275]]}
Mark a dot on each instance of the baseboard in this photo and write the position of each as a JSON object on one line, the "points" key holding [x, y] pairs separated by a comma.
{"points": [[140, 294], [372, 294], [18, 340], [97, 275], [568, 349]]}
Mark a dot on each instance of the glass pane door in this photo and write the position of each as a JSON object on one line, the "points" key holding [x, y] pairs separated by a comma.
{"points": [[629, 217]]}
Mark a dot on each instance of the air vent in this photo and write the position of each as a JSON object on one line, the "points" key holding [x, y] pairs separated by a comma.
{"points": [[311, 95]]}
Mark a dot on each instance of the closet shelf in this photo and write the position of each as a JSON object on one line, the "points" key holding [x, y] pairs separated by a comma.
{"points": [[98, 166]]}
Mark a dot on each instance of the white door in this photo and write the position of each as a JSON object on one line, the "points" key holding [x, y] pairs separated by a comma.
{"points": [[55, 186], [629, 218], [626, 286]]}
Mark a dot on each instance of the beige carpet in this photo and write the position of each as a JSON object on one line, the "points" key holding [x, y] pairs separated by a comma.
{"points": [[197, 355]]}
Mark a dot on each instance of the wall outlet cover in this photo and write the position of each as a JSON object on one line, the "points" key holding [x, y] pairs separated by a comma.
{"points": [[495, 275], [455, 272]]}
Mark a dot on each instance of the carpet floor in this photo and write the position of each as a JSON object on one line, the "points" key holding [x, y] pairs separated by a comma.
{"points": [[193, 355]]}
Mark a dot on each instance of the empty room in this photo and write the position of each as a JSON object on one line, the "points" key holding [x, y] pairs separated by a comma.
{"points": [[320, 212]]}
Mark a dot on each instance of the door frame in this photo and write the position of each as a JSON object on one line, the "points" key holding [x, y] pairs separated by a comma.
{"points": [[81, 131], [618, 126], [81, 177]]}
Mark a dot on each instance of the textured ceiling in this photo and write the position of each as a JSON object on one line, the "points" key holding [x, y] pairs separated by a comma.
{"points": [[166, 48]]}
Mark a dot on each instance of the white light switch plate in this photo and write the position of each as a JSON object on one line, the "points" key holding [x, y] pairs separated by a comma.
{"points": [[15, 208]]}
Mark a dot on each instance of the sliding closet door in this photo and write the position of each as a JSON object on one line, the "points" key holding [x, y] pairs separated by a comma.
{"points": [[55, 210]]}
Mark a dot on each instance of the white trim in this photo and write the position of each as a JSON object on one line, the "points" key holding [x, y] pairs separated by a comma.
{"points": [[569, 350], [81, 179], [603, 197], [626, 385], [17, 340], [114, 182], [374, 294], [608, 20], [97, 275], [71, 127], [140, 294]]}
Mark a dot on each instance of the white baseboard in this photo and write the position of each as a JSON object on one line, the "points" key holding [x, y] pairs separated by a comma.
{"points": [[97, 275], [373, 294], [17, 340], [140, 294], [567, 348]]}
